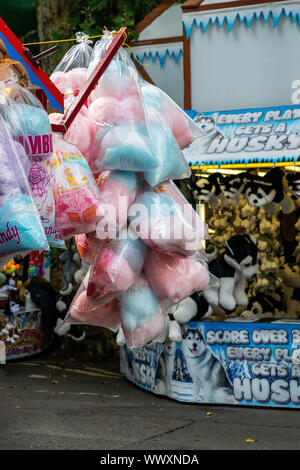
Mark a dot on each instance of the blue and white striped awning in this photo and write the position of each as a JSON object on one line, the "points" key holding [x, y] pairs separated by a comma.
{"points": [[229, 16]]}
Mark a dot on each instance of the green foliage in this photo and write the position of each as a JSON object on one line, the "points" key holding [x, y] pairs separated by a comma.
{"points": [[92, 16]]}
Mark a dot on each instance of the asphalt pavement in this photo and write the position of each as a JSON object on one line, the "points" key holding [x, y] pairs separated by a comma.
{"points": [[48, 404]]}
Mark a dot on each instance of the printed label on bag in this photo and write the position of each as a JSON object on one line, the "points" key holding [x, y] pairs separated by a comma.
{"points": [[37, 144]]}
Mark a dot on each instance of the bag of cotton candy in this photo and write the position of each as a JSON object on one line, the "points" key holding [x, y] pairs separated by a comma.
{"points": [[21, 230]]}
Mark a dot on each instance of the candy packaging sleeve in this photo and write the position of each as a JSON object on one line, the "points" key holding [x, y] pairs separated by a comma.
{"points": [[175, 277], [21, 228], [142, 314], [89, 312], [116, 267], [172, 164], [184, 129], [122, 140], [76, 194], [164, 220]]}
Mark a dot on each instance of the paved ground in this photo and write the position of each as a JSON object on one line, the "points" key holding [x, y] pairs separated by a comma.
{"points": [[59, 405]]}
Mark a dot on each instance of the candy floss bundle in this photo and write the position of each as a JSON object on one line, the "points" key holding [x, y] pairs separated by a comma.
{"points": [[77, 197], [71, 73], [30, 126], [21, 230], [122, 140]]}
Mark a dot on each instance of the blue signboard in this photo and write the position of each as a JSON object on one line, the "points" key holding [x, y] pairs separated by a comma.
{"points": [[244, 136], [228, 363]]}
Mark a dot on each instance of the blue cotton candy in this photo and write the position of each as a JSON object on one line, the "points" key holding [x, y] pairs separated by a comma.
{"points": [[172, 164], [152, 96], [125, 148], [26, 119], [157, 204], [21, 229], [138, 305], [127, 178]]}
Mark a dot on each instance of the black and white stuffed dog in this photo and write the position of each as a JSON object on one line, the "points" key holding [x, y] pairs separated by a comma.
{"points": [[263, 306], [293, 181], [207, 190], [232, 268], [267, 190], [232, 186]]}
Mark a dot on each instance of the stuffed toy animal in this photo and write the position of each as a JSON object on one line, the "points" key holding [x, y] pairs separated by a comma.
{"points": [[232, 186], [232, 268], [263, 306], [207, 190], [267, 190], [293, 181], [71, 265], [180, 314], [290, 276]]}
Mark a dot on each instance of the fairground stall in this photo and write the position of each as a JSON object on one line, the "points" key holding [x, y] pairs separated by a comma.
{"points": [[241, 346]]}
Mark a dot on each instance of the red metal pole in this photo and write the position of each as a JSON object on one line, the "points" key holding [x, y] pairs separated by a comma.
{"points": [[104, 62]]}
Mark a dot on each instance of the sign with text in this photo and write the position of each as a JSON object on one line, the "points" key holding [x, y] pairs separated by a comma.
{"points": [[226, 363], [244, 136]]}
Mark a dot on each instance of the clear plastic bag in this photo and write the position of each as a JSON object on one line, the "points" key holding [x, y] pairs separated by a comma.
{"points": [[119, 190], [71, 73], [172, 163], [122, 140], [27, 119], [175, 277], [88, 245], [76, 194], [142, 314], [116, 267], [184, 129], [166, 221], [88, 311], [21, 229]]}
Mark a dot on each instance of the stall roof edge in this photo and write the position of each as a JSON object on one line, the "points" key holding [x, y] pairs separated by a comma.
{"points": [[37, 76], [155, 13], [200, 5]]}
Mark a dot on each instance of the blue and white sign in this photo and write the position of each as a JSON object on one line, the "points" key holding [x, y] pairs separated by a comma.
{"points": [[244, 136], [228, 363]]}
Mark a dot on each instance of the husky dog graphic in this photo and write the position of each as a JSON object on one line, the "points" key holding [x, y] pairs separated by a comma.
{"points": [[209, 378]]}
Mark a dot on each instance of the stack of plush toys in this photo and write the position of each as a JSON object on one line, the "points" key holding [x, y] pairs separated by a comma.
{"points": [[266, 207]]}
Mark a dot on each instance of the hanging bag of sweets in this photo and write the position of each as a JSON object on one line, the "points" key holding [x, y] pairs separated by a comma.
{"points": [[21, 230], [79, 206], [30, 127], [122, 140]]}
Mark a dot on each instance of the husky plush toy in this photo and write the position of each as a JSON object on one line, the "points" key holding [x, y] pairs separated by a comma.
{"points": [[293, 180], [267, 190], [232, 268], [232, 186], [207, 190], [263, 307]]}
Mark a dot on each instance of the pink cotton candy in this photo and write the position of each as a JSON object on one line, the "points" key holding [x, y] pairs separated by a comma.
{"points": [[104, 110], [175, 277], [77, 78], [88, 245], [118, 195], [179, 126], [131, 110], [55, 118], [62, 81], [81, 133], [90, 313], [146, 332], [110, 274]]}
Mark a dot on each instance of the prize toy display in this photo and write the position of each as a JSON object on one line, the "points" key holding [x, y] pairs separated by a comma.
{"points": [[134, 140]]}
